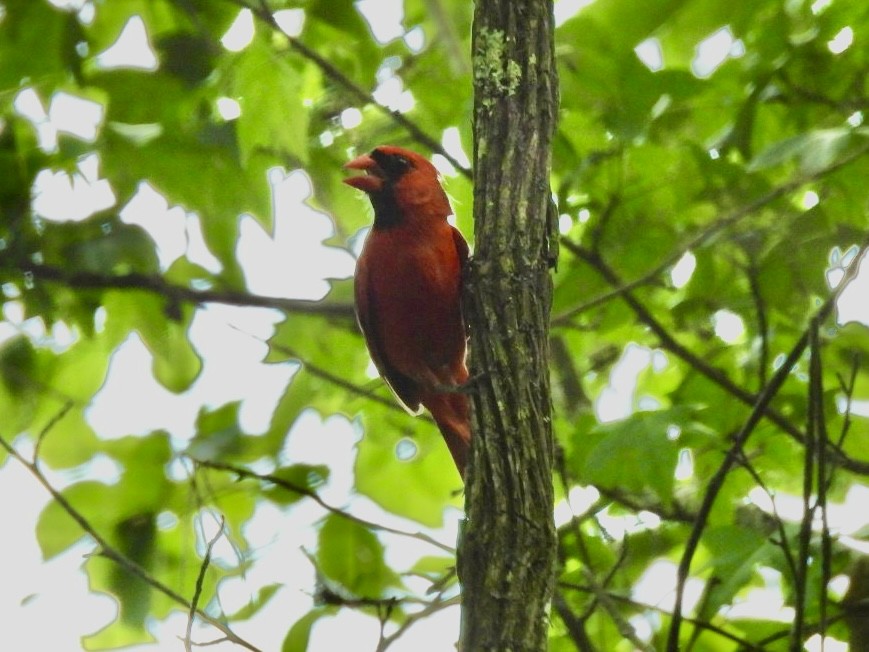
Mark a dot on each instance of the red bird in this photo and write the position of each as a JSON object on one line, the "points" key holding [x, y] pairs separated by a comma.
{"points": [[408, 290]]}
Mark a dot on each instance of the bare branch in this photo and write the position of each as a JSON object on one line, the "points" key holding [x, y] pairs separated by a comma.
{"points": [[206, 560], [176, 294], [413, 618]]}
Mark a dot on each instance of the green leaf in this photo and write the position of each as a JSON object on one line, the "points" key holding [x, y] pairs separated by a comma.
{"points": [[56, 530], [635, 455], [816, 150], [273, 118], [736, 553], [299, 634], [350, 555], [306, 477], [419, 488], [34, 44], [256, 603], [218, 434]]}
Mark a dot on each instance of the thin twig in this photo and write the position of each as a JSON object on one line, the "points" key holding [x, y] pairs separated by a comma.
{"points": [[48, 427], [747, 646], [805, 532], [823, 480], [575, 626], [779, 522], [107, 551], [671, 344], [704, 235], [716, 483], [200, 579], [413, 618], [762, 323], [180, 294], [264, 13], [242, 472]]}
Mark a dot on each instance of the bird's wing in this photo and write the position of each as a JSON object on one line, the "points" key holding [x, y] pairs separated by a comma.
{"points": [[404, 388], [463, 253], [461, 247]]}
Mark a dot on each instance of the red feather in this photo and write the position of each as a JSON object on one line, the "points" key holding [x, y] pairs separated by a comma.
{"points": [[408, 290]]}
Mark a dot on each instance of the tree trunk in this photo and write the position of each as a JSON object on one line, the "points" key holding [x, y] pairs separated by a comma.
{"points": [[507, 554]]}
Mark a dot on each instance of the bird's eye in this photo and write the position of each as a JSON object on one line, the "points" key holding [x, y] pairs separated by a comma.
{"points": [[393, 165]]}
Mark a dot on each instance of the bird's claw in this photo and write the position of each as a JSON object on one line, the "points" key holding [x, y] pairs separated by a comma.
{"points": [[467, 387]]}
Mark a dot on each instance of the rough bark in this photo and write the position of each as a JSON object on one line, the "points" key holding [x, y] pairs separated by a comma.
{"points": [[507, 555]]}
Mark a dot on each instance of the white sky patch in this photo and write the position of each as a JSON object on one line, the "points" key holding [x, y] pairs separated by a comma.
{"points": [[852, 304], [567, 9], [197, 249], [384, 18], [616, 401], [415, 39], [729, 326], [291, 21], [452, 142], [132, 49], [43, 594], [845, 519], [809, 200], [657, 586], [240, 33], [75, 115], [150, 210], [714, 50], [578, 501], [29, 105], [293, 263], [683, 270], [855, 119], [228, 108], [817, 643], [68, 5], [765, 602], [61, 197], [351, 118], [388, 92], [685, 465], [229, 340], [841, 41], [651, 54]]}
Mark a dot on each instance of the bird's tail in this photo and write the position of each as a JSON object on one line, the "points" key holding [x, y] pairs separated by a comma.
{"points": [[451, 412]]}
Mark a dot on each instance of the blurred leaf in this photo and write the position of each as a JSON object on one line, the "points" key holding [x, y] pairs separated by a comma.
{"points": [[299, 634], [56, 530], [352, 556], [636, 455], [306, 477], [816, 150], [257, 602], [273, 113]]}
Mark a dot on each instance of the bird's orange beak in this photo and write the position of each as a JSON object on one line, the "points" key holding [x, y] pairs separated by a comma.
{"points": [[371, 181]]}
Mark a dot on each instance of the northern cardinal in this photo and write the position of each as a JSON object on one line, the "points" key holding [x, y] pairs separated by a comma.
{"points": [[408, 290]]}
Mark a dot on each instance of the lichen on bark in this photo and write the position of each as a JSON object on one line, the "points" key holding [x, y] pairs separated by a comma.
{"points": [[507, 554]]}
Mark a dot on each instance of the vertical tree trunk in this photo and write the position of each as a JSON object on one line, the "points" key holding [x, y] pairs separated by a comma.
{"points": [[507, 555]]}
